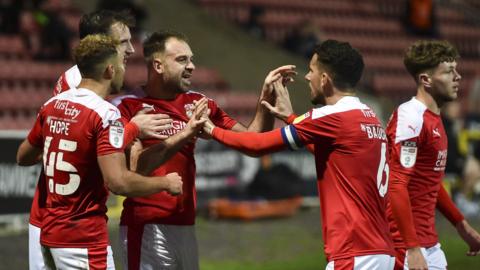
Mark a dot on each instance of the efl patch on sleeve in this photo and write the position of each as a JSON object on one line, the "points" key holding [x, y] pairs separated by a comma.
{"points": [[408, 154], [301, 118], [115, 133]]}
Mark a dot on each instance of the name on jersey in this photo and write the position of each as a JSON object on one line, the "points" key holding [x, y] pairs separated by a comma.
{"points": [[374, 131], [68, 110], [57, 126]]}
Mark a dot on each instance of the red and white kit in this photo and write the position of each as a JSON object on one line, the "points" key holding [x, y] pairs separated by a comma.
{"points": [[163, 208]]}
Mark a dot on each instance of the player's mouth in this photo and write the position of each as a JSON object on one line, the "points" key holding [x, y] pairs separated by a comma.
{"points": [[186, 77]]}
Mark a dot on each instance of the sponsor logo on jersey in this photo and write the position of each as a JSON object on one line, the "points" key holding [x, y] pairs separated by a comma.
{"points": [[408, 154], [441, 162], [115, 133], [301, 118], [67, 108]]}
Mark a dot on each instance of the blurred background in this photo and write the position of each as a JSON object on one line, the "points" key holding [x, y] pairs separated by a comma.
{"points": [[253, 213]]}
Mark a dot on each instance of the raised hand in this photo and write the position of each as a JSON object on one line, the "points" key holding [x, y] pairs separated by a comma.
{"points": [[282, 107], [285, 73], [151, 125]]}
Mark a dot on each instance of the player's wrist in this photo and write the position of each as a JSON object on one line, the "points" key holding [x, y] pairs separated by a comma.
{"points": [[289, 119]]}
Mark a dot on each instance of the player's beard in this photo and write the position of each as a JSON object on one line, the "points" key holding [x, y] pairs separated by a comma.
{"points": [[318, 99]]}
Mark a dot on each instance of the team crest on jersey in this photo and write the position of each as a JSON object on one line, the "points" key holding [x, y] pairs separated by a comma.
{"points": [[408, 154], [189, 108], [301, 118], [115, 133]]}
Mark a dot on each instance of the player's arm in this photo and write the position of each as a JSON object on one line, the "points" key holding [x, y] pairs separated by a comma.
{"points": [[121, 181], [249, 143], [264, 118], [446, 206], [154, 156], [403, 216], [28, 155]]}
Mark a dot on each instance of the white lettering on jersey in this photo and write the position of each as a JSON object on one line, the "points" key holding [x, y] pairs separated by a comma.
{"points": [[368, 113], [115, 133], [441, 161], [58, 127], [408, 154], [67, 110], [374, 131]]}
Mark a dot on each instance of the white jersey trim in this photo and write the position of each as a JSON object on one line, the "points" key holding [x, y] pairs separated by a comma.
{"points": [[73, 76], [409, 120], [343, 105], [89, 99]]}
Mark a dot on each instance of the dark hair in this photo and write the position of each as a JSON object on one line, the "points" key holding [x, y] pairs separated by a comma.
{"points": [[99, 22], [92, 52], [155, 43], [427, 54], [343, 63]]}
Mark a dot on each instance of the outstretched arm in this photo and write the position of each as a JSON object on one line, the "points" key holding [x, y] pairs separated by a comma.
{"points": [[249, 143]]}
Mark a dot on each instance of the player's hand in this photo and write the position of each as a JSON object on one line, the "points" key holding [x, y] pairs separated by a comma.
{"points": [[174, 183], [415, 259], [136, 149], [470, 236], [151, 125], [282, 107], [197, 118], [283, 73]]}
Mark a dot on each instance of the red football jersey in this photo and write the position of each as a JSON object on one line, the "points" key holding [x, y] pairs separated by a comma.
{"points": [[350, 156], [73, 128], [68, 80], [418, 152], [162, 208]]}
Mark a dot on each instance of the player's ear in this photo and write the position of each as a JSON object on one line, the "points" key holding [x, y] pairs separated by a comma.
{"points": [[109, 72], [425, 79], [157, 65]]}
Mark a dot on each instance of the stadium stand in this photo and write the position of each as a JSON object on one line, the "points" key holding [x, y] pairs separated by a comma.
{"points": [[373, 26]]}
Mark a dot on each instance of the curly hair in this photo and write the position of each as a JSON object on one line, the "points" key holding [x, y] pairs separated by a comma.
{"points": [[155, 43], [92, 53], [424, 55], [343, 63]]}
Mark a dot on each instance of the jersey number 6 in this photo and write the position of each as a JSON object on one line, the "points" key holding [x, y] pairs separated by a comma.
{"points": [[383, 167]]}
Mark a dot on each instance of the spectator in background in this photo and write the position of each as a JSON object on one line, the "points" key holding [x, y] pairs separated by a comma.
{"points": [[253, 26], [420, 18], [45, 34], [10, 16], [303, 38]]}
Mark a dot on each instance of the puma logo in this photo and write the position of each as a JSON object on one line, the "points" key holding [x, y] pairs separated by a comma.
{"points": [[414, 129], [436, 133]]}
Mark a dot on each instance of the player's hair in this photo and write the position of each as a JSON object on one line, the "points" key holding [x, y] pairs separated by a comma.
{"points": [[343, 63], [427, 54], [155, 43], [99, 22], [92, 53]]}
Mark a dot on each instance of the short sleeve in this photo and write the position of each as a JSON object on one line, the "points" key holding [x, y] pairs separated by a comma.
{"points": [[35, 137], [110, 135], [311, 128]]}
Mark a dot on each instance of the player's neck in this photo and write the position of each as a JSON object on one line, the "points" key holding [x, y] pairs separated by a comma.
{"points": [[331, 100], [100, 88], [156, 89], [428, 100]]}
